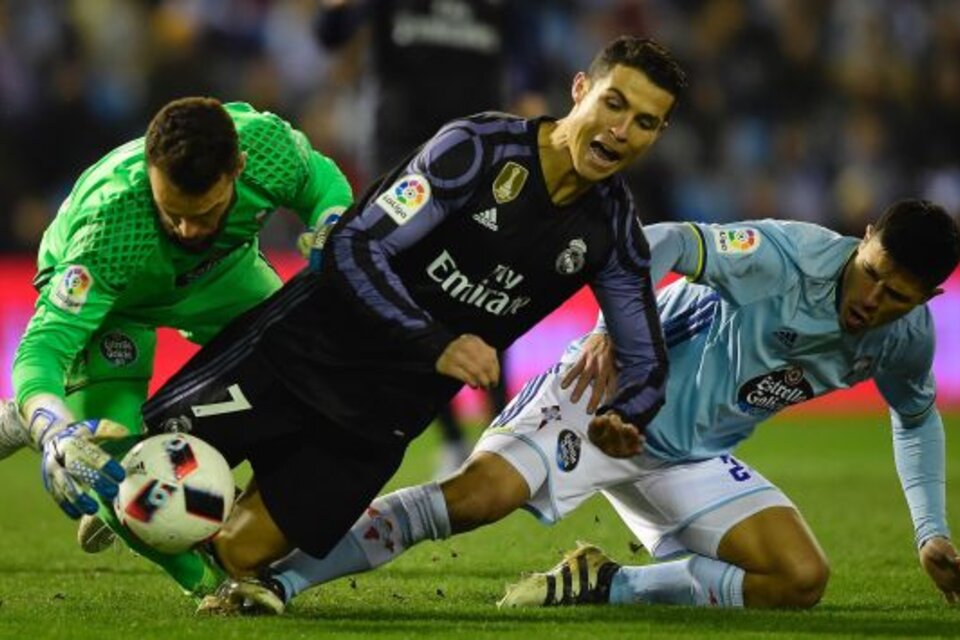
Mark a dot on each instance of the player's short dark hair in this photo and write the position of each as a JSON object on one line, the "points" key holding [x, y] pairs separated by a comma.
{"points": [[194, 142], [922, 238], [645, 55]]}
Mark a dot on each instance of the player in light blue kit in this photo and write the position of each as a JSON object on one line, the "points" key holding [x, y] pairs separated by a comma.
{"points": [[772, 314], [775, 313]]}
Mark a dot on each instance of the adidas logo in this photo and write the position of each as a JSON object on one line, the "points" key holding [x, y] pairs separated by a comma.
{"points": [[786, 336], [487, 218]]}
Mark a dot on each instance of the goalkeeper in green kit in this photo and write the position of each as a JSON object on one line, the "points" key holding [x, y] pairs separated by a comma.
{"points": [[162, 231]]}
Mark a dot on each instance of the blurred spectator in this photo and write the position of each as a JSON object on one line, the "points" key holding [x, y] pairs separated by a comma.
{"points": [[435, 60], [432, 61], [811, 109]]}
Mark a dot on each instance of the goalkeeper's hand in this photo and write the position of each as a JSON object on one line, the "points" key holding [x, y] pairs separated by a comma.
{"points": [[73, 462], [310, 243]]}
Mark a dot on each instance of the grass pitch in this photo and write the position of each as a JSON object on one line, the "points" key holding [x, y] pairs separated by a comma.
{"points": [[838, 471]]}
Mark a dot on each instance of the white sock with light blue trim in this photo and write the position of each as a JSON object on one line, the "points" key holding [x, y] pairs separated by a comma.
{"points": [[391, 524], [697, 580]]}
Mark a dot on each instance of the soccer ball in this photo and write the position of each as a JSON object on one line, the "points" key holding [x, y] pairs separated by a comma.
{"points": [[178, 492]]}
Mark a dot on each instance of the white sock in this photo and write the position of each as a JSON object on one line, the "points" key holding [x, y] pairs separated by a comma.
{"points": [[696, 580], [391, 525]]}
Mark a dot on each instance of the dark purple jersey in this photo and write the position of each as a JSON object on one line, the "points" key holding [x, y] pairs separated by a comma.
{"points": [[464, 238]]}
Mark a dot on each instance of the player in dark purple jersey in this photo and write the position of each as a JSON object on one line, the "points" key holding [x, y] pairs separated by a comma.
{"points": [[466, 245]]}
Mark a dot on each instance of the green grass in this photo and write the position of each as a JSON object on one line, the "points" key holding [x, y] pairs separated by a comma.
{"points": [[839, 472]]}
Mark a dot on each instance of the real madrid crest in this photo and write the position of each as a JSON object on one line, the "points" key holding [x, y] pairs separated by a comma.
{"points": [[572, 259]]}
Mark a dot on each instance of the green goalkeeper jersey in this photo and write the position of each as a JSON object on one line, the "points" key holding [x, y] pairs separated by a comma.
{"points": [[106, 254]]}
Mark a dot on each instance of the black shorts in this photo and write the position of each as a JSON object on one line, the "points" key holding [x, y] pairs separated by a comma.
{"points": [[323, 432], [315, 477]]}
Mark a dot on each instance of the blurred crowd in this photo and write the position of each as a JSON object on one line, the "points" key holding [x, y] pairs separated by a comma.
{"points": [[819, 110]]}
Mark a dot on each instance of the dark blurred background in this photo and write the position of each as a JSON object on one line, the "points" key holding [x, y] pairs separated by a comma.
{"points": [[808, 109], [815, 110]]}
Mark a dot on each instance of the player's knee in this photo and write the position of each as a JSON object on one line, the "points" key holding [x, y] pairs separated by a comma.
{"points": [[804, 582], [485, 490]]}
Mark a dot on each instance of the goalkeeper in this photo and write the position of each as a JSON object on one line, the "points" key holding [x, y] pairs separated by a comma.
{"points": [[162, 231]]}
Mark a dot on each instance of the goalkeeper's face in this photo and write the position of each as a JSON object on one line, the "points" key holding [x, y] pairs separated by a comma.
{"points": [[191, 220]]}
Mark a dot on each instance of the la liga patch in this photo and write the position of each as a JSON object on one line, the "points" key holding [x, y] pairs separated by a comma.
{"points": [[736, 241], [71, 291], [405, 198]]}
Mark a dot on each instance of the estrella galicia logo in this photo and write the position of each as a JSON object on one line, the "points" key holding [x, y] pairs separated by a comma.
{"points": [[572, 259], [118, 349], [568, 450], [767, 394]]}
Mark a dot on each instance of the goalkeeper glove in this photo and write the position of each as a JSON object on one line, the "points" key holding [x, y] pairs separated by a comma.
{"points": [[72, 461]]}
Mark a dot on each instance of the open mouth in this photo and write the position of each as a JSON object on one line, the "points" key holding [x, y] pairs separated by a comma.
{"points": [[604, 154], [855, 319]]}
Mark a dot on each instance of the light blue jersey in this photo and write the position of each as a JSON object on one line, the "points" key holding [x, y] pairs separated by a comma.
{"points": [[758, 331], [755, 329]]}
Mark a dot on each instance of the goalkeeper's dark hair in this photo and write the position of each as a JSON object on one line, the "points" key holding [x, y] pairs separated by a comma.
{"points": [[922, 238], [645, 55], [194, 142]]}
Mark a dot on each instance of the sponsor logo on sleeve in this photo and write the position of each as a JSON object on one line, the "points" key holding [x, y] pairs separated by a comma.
{"points": [[509, 182], [71, 292], [118, 349], [405, 198], [736, 241]]}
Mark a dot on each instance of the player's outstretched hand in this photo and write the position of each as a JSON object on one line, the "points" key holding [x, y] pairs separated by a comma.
{"points": [[596, 368], [613, 436], [73, 461], [470, 360], [941, 562]]}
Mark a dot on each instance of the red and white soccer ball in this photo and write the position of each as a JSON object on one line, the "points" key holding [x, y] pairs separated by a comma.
{"points": [[178, 491]]}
